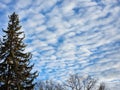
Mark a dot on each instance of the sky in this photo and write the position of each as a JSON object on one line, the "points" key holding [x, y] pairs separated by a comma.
{"points": [[69, 36]]}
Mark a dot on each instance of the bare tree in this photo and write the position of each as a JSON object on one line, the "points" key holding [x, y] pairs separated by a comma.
{"points": [[74, 82], [49, 85], [89, 83]]}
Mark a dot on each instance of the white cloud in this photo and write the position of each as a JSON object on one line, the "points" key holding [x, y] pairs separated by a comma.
{"points": [[89, 40], [68, 8], [21, 4], [2, 6], [77, 42], [6, 1]]}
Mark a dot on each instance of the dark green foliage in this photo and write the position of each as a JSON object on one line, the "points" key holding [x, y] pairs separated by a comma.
{"points": [[15, 68]]}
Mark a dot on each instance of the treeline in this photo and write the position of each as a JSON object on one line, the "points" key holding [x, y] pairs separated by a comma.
{"points": [[74, 82]]}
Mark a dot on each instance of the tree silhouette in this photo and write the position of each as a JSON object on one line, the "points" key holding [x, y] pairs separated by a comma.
{"points": [[15, 67], [77, 82], [49, 85], [74, 82]]}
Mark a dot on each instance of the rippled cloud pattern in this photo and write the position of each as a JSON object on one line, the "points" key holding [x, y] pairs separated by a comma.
{"points": [[70, 36]]}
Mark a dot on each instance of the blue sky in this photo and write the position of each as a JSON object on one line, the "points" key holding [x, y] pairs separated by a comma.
{"points": [[69, 36]]}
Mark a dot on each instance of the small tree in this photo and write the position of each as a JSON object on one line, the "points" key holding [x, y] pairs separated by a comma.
{"points": [[15, 68], [74, 82]]}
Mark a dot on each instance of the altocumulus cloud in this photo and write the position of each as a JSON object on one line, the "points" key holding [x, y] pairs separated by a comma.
{"points": [[70, 36]]}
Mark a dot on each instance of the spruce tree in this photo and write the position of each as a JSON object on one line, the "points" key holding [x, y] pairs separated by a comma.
{"points": [[15, 67]]}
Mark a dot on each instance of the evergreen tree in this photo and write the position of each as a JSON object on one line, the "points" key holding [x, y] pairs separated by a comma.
{"points": [[15, 67]]}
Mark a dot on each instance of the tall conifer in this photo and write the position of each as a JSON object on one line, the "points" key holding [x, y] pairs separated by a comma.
{"points": [[15, 67]]}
